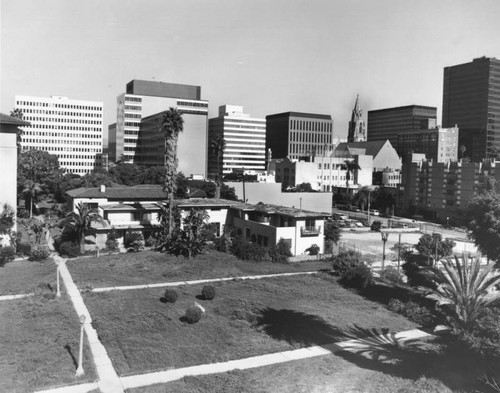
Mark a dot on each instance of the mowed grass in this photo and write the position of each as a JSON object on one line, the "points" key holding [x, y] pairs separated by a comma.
{"points": [[424, 370], [246, 318], [39, 345], [148, 267], [19, 277]]}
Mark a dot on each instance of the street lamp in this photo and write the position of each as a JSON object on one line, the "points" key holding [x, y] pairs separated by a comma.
{"points": [[385, 236], [79, 370], [58, 294]]}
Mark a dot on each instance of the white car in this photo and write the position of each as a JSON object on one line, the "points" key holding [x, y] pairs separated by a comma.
{"points": [[374, 212]]}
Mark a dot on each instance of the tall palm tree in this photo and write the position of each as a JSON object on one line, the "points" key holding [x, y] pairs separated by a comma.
{"points": [[171, 125], [31, 190], [217, 146], [81, 221], [464, 288], [351, 168]]}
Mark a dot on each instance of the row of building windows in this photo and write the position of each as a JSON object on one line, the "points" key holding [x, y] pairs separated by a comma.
{"points": [[56, 105], [133, 108], [55, 120], [62, 142], [59, 135], [321, 138], [133, 99], [193, 104], [69, 128], [304, 125], [132, 116], [58, 113]]}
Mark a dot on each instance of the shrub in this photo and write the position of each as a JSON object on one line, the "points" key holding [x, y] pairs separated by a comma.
{"points": [[313, 250], [328, 246], [134, 241], [485, 335], [391, 274], [23, 248], [208, 292], [248, 251], [170, 296], [346, 260], [414, 269], [39, 255], [376, 226], [223, 243], [413, 311], [69, 249], [193, 314], [150, 241], [111, 244], [357, 277], [280, 252], [7, 254]]}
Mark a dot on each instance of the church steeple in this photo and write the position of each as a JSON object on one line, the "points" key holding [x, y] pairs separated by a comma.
{"points": [[357, 129]]}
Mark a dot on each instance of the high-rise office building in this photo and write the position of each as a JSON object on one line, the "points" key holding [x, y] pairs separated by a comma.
{"points": [[245, 139], [438, 144], [70, 129], [357, 126], [388, 123], [132, 141], [297, 135], [471, 100]]}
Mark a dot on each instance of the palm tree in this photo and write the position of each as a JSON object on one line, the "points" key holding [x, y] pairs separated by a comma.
{"points": [[464, 287], [81, 221], [171, 125], [363, 197], [217, 146], [462, 150], [31, 190], [351, 168]]}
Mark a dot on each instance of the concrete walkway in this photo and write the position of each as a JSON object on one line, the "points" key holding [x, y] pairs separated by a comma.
{"points": [[108, 378], [194, 282], [13, 297]]}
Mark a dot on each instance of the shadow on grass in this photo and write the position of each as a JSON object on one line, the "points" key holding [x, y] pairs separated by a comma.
{"points": [[67, 347], [375, 348]]}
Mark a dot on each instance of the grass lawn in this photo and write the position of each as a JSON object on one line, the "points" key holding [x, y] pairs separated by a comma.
{"points": [[149, 267], [39, 345], [246, 318], [25, 276], [426, 370]]}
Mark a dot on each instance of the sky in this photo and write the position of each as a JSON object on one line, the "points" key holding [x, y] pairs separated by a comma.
{"points": [[269, 56]]}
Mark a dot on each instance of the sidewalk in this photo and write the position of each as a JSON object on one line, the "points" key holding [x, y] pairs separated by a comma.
{"points": [[108, 379]]}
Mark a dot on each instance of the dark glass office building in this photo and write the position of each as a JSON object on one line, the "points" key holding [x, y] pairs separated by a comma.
{"points": [[471, 100], [388, 123]]}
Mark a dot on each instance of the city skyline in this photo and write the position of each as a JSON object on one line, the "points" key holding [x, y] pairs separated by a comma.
{"points": [[269, 57]]}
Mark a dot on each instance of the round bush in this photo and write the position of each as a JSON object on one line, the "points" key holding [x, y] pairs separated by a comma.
{"points": [[39, 255], [170, 296], [208, 292], [69, 249], [193, 314]]}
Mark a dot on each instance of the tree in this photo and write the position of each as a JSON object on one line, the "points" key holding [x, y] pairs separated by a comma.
{"points": [[351, 168], [126, 174], [462, 149], [332, 235], [42, 168], [434, 248], [188, 240], [303, 187], [18, 114], [7, 221], [383, 200], [171, 125], [80, 222], [31, 190], [217, 146], [153, 175], [181, 186], [363, 197], [463, 290], [483, 220]]}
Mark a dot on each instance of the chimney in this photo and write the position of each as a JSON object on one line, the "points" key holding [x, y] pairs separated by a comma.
{"points": [[103, 188]]}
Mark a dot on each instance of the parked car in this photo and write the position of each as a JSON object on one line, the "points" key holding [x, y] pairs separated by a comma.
{"points": [[339, 216], [374, 212]]}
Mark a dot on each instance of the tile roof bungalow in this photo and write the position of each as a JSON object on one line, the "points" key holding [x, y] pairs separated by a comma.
{"points": [[137, 208]]}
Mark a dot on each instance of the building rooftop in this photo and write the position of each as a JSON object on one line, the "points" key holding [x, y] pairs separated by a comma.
{"points": [[280, 210], [402, 108], [141, 192], [371, 148], [300, 114]]}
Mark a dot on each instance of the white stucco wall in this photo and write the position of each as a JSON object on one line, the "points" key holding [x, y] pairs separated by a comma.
{"points": [[8, 165]]}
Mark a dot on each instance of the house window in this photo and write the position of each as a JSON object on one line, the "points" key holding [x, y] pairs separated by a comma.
{"points": [[247, 233], [136, 216]]}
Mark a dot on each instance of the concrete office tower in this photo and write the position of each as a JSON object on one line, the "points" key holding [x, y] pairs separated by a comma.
{"points": [[471, 100], [297, 135], [438, 144], [388, 123], [357, 127], [136, 136], [245, 141], [70, 129]]}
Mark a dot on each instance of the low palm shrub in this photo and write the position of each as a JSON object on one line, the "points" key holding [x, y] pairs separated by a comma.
{"points": [[313, 250], [413, 311], [39, 255], [392, 275], [208, 292]]}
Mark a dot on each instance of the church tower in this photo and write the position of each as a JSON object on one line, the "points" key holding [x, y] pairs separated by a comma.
{"points": [[357, 126]]}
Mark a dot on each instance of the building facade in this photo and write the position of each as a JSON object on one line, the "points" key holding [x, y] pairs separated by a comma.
{"points": [[245, 141], [471, 100], [132, 141], [70, 129], [297, 135], [388, 123], [438, 145], [357, 126]]}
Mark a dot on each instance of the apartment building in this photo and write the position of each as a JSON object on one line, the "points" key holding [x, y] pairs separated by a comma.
{"points": [[68, 128]]}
